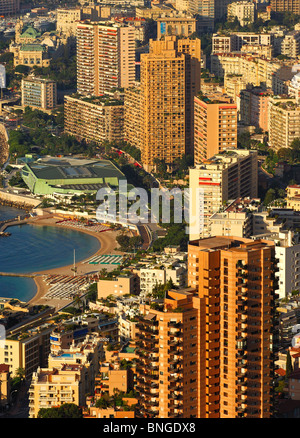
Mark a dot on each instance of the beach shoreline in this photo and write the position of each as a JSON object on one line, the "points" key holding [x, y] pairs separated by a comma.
{"points": [[108, 245]]}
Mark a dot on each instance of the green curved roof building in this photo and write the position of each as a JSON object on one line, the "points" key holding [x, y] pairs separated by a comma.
{"points": [[48, 176]]}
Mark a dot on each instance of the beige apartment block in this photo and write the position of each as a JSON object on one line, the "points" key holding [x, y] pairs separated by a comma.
{"points": [[170, 78], [293, 197], [215, 125], [28, 350], [39, 93], [156, 11], [112, 376], [118, 286], [70, 375], [181, 26], [258, 49], [9, 7], [105, 57], [290, 45], [94, 118], [255, 69], [225, 42], [227, 176], [67, 19], [235, 220], [127, 328], [235, 322], [233, 84], [284, 121], [5, 385], [133, 116], [244, 11], [54, 387]]}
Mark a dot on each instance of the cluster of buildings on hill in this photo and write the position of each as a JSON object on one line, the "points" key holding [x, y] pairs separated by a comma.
{"points": [[159, 367]]}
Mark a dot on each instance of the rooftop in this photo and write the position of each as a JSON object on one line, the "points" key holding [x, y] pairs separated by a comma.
{"points": [[70, 168]]}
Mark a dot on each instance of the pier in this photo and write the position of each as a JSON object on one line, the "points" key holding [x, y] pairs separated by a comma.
{"points": [[20, 220]]}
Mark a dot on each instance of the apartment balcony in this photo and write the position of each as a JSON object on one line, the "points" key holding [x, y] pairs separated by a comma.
{"points": [[173, 324], [176, 333], [173, 386]]}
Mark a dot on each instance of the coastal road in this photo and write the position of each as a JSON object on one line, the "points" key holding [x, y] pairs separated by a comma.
{"points": [[145, 235]]}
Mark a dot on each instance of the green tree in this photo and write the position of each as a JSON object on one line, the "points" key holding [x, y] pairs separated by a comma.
{"points": [[67, 410], [289, 367], [270, 196]]}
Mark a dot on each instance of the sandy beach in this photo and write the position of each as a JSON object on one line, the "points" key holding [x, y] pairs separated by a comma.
{"points": [[108, 245]]}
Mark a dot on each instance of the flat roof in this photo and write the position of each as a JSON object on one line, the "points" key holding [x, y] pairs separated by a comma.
{"points": [[53, 168]]}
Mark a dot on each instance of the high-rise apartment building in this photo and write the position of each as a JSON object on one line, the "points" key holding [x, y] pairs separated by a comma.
{"points": [[105, 57], [9, 7], [234, 278], [226, 176], [168, 364], [207, 351], [67, 20], [39, 93], [215, 125], [170, 78]]}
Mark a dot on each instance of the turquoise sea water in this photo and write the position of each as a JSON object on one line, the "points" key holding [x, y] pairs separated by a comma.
{"points": [[33, 248]]}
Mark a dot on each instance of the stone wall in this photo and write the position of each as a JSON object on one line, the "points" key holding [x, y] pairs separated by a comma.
{"points": [[4, 147]]}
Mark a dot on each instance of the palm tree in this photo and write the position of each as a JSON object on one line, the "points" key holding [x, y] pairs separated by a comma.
{"points": [[77, 301], [20, 372]]}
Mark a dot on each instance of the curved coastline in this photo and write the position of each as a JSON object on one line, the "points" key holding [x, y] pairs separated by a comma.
{"points": [[107, 242]]}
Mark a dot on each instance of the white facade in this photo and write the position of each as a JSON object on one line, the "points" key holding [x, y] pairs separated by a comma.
{"points": [[152, 276], [289, 267], [2, 76]]}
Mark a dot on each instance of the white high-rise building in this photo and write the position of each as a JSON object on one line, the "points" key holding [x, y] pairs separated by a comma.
{"points": [[226, 176]]}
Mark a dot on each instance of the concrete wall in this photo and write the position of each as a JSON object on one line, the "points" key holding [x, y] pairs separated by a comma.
{"points": [[19, 199]]}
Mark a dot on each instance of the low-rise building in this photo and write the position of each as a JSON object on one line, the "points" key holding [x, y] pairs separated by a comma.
{"points": [[235, 220], [70, 375], [179, 25], [132, 116], [253, 106], [162, 271], [28, 350], [290, 45], [54, 387], [126, 284]]}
